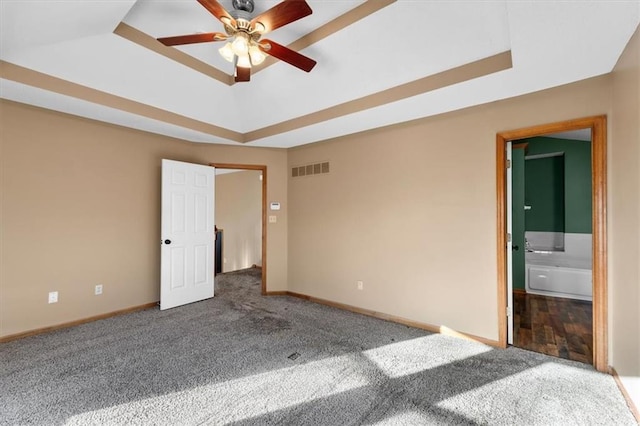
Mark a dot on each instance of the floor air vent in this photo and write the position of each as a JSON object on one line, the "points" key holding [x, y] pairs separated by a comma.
{"points": [[310, 169]]}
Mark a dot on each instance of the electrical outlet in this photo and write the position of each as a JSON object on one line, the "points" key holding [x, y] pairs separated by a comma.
{"points": [[360, 285], [273, 219], [98, 289], [53, 297]]}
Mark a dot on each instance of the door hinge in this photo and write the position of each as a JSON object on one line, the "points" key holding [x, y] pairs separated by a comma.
{"points": [[508, 311], [508, 164], [508, 237]]}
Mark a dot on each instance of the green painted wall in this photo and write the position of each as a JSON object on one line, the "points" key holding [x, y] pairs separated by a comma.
{"points": [[577, 181], [544, 192], [560, 186], [517, 225]]}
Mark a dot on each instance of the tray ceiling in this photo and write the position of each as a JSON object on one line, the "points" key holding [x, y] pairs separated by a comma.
{"points": [[380, 62]]}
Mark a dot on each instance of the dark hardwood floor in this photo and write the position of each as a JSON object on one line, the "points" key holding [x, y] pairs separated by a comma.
{"points": [[553, 326]]}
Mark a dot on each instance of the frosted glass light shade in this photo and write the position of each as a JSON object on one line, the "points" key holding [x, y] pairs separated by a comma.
{"points": [[240, 44], [256, 55], [226, 52]]}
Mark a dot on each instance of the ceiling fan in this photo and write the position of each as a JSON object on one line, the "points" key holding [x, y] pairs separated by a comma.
{"points": [[244, 46]]}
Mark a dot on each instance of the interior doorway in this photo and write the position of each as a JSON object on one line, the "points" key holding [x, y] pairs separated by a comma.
{"points": [[506, 245], [551, 250], [261, 171]]}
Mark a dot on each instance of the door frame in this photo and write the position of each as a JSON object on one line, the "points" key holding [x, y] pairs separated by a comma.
{"points": [[598, 126], [263, 169]]}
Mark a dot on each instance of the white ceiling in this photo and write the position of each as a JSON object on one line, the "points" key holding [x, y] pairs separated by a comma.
{"points": [[551, 43], [576, 135]]}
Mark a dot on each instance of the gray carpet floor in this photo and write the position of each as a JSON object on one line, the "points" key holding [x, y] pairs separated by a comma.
{"points": [[244, 359]]}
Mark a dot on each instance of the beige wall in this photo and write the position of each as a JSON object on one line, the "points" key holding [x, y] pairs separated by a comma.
{"points": [[411, 211], [624, 209], [80, 207], [239, 215]]}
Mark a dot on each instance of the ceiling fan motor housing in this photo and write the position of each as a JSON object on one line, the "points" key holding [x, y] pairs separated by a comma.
{"points": [[243, 22], [243, 5]]}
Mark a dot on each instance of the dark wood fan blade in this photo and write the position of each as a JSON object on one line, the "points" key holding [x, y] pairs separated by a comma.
{"points": [[281, 14], [192, 38], [243, 74], [285, 54], [217, 10]]}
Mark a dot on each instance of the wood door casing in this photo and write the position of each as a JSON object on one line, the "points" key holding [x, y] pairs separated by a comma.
{"points": [[598, 126]]}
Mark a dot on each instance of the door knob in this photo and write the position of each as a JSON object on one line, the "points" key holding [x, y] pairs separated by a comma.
{"points": [[167, 241], [516, 248]]}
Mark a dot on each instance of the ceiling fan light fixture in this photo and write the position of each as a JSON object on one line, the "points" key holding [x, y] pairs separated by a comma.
{"points": [[256, 55], [243, 31], [227, 52]]}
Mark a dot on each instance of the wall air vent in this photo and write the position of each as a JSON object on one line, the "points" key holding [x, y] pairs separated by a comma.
{"points": [[310, 169]]}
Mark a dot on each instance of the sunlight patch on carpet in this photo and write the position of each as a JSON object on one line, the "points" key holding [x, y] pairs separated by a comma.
{"points": [[413, 356], [247, 397], [550, 393], [409, 417]]}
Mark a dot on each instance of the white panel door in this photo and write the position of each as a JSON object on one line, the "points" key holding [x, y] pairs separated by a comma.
{"points": [[509, 312], [187, 233]]}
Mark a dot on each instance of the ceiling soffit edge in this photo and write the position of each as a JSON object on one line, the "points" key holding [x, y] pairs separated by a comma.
{"points": [[50, 83], [492, 64], [146, 41], [480, 68]]}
